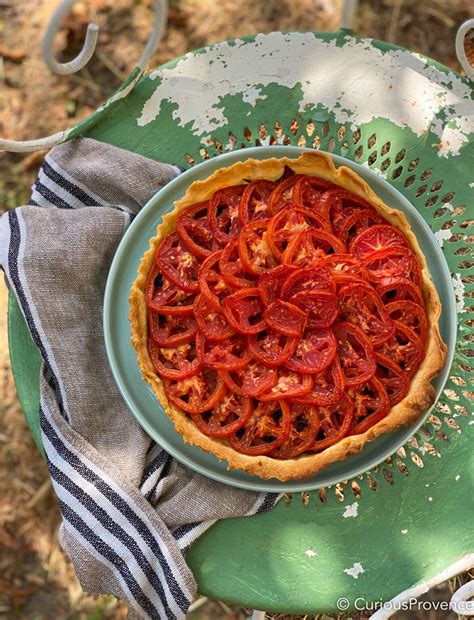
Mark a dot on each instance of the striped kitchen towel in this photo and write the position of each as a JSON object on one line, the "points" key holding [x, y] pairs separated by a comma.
{"points": [[129, 510]]}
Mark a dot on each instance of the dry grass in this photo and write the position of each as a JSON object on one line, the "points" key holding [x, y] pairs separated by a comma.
{"points": [[36, 580]]}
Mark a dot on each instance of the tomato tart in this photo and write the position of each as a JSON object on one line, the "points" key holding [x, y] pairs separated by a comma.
{"points": [[285, 316]]}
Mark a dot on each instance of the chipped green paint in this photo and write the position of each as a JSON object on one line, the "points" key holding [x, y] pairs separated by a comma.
{"points": [[299, 558]]}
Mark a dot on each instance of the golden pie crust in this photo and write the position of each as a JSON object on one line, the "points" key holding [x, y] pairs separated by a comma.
{"points": [[421, 393]]}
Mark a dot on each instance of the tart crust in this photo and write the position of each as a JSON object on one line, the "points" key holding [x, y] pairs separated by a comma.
{"points": [[421, 393]]}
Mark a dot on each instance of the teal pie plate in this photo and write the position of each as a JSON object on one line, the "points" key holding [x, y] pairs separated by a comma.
{"points": [[140, 398]]}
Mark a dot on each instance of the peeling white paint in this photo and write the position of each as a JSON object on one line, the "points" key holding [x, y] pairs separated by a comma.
{"points": [[458, 477], [310, 553], [404, 531], [399, 85], [459, 289], [442, 235], [430, 499], [471, 184], [355, 571], [351, 510]]}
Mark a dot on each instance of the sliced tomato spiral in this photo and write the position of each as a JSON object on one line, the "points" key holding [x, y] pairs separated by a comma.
{"points": [[284, 315]]}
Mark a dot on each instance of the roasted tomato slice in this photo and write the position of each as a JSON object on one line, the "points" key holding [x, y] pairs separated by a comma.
{"points": [[320, 307], [376, 238], [226, 418], [229, 354], [308, 191], [409, 313], [232, 269], [177, 363], [252, 380], [223, 213], [289, 222], [392, 377], [404, 348], [304, 424], [178, 264], [267, 428], [345, 268], [371, 404], [316, 278], [196, 394], [213, 285], [271, 282], [289, 385], [271, 348], [336, 421], [310, 246], [161, 295], [194, 231], [360, 220], [328, 386], [315, 351], [255, 254], [393, 263], [285, 318], [282, 195], [171, 331], [338, 205], [244, 311], [360, 304], [213, 324], [355, 353], [254, 201], [396, 289]]}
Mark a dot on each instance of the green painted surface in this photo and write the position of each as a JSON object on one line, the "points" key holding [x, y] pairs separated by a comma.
{"points": [[260, 561]]}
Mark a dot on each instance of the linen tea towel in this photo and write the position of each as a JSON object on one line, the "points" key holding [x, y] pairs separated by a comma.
{"points": [[130, 511]]}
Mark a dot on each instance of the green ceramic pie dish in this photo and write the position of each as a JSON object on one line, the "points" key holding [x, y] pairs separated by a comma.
{"points": [[142, 401]]}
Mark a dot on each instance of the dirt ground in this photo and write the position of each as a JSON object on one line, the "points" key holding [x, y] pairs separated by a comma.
{"points": [[36, 579]]}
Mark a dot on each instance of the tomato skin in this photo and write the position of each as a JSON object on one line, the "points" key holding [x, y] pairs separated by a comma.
{"points": [[315, 351], [289, 385], [393, 263], [254, 202], [376, 238], [241, 307], [194, 232], [288, 222], [203, 390], [270, 282], [211, 322], [223, 355], [396, 289], [310, 246], [363, 219], [216, 423], [360, 304], [232, 269], [371, 404], [254, 439], [339, 204], [410, 314], [285, 318], [164, 297], [299, 439], [267, 347], [175, 357], [166, 330], [225, 225], [307, 279], [254, 251], [355, 353], [308, 190], [282, 195], [319, 305], [392, 377], [178, 264], [211, 281], [252, 380], [328, 386], [336, 421], [404, 348], [344, 268]]}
